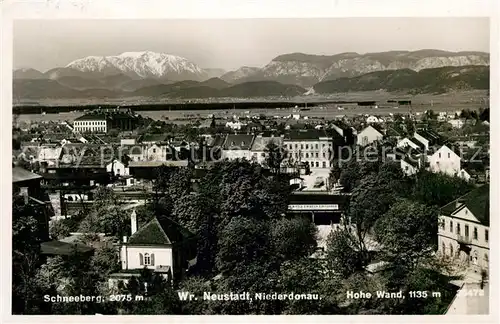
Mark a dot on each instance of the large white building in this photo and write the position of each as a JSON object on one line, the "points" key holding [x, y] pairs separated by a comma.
{"points": [[312, 147], [93, 123], [463, 233]]}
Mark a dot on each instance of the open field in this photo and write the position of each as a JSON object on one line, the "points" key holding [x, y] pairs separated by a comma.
{"points": [[443, 102]]}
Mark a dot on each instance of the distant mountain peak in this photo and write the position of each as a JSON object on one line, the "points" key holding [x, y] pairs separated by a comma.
{"points": [[145, 64]]}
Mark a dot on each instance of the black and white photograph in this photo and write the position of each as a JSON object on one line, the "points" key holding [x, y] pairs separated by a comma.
{"points": [[272, 166]]}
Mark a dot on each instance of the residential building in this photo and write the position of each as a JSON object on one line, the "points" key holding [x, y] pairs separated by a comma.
{"points": [[464, 225], [373, 119], [369, 135], [410, 165], [312, 147], [161, 245], [117, 168], [49, 154], [445, 160], [412, 143], [427, 137], [457, 123], [258, 149], [91, 123], [237, 146]]}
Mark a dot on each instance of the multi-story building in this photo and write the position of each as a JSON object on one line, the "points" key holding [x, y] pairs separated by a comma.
{"points": [[237, 146], [463, 233], [102, 120], [91, 123], [258, 149], [312, 147]]}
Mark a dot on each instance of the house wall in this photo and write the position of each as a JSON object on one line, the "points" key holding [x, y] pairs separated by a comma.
{"points": [[156, 153], [314, 152], [85, 126], [118, 168], [445, 161], [407, 168], [368, 136], [448, 238], [130, 256], [422, 140], [236, 154]]}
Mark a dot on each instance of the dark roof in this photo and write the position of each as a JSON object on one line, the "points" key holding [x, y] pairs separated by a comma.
{"points": [[239, 141], [91, 117], [477, 201], [19, 174], [430, 135], [391, 131], [63, 248], [411, 161], [160, 231], [304, 197], [153, 138], [417, 142], [306, 134]]}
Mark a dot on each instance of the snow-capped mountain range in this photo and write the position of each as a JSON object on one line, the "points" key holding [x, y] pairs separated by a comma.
{"points": [[142, 65], [295, 68]]}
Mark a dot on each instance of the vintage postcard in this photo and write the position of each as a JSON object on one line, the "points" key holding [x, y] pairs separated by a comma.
{"points": [[250, 165]]}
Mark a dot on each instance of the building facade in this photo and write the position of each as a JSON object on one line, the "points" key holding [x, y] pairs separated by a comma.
{"points": [[93, 123], [463, 233], [368, 136], [312, 147], [445, 160]]}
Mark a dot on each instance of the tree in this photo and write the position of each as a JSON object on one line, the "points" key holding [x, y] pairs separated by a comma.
{"points": [[437, 189], [275, 154], [343, 255], [196, 286], [59, 229], [189, 212], [407, 232], [293, 238]]}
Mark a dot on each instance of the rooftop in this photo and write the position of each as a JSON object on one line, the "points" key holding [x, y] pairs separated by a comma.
{"points": [[260, 143], [63, 248], [477, 201], [19, 174], [238, 141], [160, 231], [92, 117], [306, 134]]}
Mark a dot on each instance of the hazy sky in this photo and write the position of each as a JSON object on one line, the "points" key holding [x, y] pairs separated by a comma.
{"points": [[229, 44]]}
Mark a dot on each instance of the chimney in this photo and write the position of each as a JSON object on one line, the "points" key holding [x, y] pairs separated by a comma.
{"points": [[24, 192], [133, 222]]}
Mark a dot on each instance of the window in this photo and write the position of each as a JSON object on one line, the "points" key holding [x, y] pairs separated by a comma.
{"points": [[296, 146], [118, 171], [291, 146], [466, 230], [451, 226], [458, 229], [486, 235], [443, 248], [307, 146], [441, 224], [147, 259], [317, 164], [486, 258], [324, 164], [307, 155], [317, 146], [475, 233], [451, 250], [154, 150], [439, 155], [317, 154], [323, 145], [301, 146], [448, 155]]}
